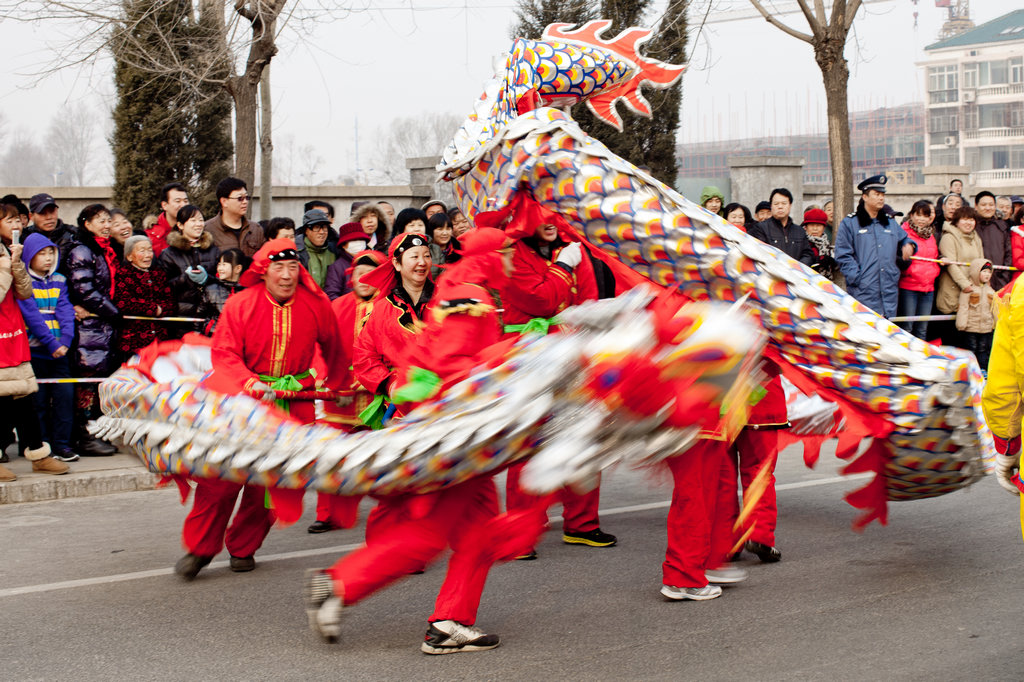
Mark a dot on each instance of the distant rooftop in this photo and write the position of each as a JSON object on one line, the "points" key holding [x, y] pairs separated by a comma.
{"points": [[1006, 28]]}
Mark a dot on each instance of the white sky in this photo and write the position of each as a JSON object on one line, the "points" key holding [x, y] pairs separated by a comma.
{"points": [[400, 57]]}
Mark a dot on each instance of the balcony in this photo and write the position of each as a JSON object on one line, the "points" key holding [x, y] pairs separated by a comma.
{"points": [[997, 90], [988, 134], [1004, 176]]}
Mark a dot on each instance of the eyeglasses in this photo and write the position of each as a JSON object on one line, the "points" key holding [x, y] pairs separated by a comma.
{"points": [[242, 199], [316, 228]]}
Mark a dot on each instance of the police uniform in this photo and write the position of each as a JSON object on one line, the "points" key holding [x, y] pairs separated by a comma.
{"points": [[868, 251]]}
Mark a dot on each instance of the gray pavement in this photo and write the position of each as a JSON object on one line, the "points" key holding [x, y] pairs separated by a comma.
{"points": [[88, 594]]}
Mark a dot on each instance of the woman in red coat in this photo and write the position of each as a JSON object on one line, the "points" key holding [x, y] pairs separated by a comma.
{"points": [[550, 272], [353, 311]]}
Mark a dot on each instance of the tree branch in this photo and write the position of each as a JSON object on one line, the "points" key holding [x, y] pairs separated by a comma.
{"points": [[779, 25], [851, 12], [819, 9], [816, 28]]}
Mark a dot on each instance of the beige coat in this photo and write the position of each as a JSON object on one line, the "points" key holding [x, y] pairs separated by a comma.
{"points": [[14, 280], [975, 312], [960, 247]]}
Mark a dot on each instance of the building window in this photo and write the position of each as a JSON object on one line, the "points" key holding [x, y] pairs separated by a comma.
{"points": [[971, 75], [1017, 70], [942, 83]]}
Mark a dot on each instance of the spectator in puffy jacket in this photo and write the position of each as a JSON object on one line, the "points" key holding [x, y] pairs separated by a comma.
{"points": [[90, 266], [189, 260], [917, 283], [50, 319], [141, 290], [815, 222], [959, 244], [353, 240], [780, 231], [230, 266], [872, 249], [995, 237], [975, 318]]}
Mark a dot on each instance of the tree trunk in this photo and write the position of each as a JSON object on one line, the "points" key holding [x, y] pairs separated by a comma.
{"points": [[266, 148], [243, 92], [835, 74]]}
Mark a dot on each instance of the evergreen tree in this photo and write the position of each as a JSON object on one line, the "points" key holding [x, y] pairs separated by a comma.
{"points": [[164, 131], [649, 142]]}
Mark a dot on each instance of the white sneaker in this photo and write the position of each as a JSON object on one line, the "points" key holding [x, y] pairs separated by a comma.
{"points": [[323, 607], [694, 593], [727, 574], [449, 637]]}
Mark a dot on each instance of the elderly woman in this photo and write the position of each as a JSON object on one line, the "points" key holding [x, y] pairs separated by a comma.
{"points": [[141, 290], [90, 266]]}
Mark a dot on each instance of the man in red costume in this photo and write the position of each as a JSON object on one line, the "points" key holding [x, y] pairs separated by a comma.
{"points": [[266, 339], [550, 273], [462, 322]]}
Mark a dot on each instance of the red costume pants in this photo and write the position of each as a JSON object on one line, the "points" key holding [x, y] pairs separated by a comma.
{"points": [[749, 453], [699, 528], [206, 529], [465, 517], [579, 511]]}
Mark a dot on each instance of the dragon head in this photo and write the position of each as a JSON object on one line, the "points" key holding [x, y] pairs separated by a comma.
{"points": [[564, 68]]}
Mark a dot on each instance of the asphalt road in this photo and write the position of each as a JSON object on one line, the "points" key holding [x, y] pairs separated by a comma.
{"points": [[88, 594]]}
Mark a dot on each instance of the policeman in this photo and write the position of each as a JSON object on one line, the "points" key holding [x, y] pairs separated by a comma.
{"points": [[871, 249]]}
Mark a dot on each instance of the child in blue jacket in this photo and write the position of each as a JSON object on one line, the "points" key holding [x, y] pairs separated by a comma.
{"points": [[50, 318]]}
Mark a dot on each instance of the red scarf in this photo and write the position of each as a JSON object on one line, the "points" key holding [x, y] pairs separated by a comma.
{"points": [[111, 257]]}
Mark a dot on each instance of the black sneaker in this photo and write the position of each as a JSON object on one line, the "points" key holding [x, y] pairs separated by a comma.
{"points": [[319, 526], [65, 455], [450, 637], [93, 447], [323, 607], [242, 564], [593, 538], [188, 566], [766, 553], [529, 556]]}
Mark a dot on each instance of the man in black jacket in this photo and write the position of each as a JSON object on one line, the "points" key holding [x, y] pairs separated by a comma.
{"points": [[781, 232]]}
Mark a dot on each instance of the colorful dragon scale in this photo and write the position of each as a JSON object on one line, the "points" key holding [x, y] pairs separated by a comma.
{"points": [[537, 402], [925, 400]]}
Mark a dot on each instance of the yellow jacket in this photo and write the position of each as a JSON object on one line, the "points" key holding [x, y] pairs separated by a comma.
{"points": [[1001, 397]]}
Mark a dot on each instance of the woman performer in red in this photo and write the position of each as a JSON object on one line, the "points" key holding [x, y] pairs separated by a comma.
{"points": [[550, 273], [352, 311], [463, 322], [267, 333]]}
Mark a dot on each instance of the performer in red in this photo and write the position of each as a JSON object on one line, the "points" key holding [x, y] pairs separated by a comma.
{"points": [[267, 337], [352, 311], [758, 444], [550, 273], [463, 322]]}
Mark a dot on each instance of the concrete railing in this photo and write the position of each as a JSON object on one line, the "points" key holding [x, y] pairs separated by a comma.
{"points": [[993, 133]]}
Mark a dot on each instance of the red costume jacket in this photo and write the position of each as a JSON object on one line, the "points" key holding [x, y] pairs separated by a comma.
{"points": [[539, 288], [158, 234], [352, 314], [257, 335], [392, 326]]}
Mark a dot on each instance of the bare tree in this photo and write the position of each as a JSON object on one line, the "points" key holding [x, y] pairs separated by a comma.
{"points": [[24, 163], [70, 142], [403, 138], [230, 44], [829, 31]]}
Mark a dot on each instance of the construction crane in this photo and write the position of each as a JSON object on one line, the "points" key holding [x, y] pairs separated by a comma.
{"points": [[959, 19]]}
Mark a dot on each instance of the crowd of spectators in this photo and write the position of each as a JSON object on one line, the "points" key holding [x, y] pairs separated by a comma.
{"points": [[944, 260], [78, 300]]}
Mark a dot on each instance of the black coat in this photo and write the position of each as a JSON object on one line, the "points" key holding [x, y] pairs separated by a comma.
{"points": [[791, 239], [178, 257], [89, 286]]}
